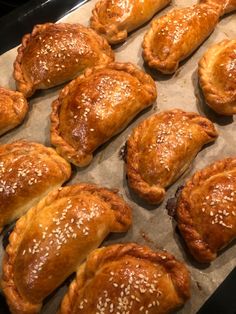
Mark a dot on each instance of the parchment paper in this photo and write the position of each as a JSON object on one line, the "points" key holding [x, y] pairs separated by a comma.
{"points": [[151, 225]]}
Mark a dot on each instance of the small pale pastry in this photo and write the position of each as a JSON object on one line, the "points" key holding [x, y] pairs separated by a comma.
{"points": [[96, 106], [161, 148], [114, 19], [128, 278], [28, 171], [217, 77], [54, 237], [55, 53], [13, 108], [206, 210], [175, 35]]}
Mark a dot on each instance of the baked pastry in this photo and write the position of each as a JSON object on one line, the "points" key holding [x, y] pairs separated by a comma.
{"points": [[114, 19], [128, 278], [54, 237], [162, 147], [217, 77], [55, 53], [96, 106], [175, 35], [206, 209], [13, 108], [28, 171]]}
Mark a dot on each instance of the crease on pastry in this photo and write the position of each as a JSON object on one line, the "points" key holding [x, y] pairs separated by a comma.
{"points": [[27, 84], [83, 156], [122, 214], [13, 109], [176, 35], [155, 193], [106, 255], [221, 99], [15, 180], [117, 26], [195, 242], [227, 5]]}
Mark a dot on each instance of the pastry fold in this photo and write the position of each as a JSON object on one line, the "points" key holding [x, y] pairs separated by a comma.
{"points": [[206, 210], [128, 278], [96, 106], [54, 237], [175, 35], [13, 108], [55, 53], [217, 77], [114, 19], [28, 171], [162, 147]]}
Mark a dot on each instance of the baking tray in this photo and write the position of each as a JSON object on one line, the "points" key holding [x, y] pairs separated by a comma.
{"points": [[151, 225]]}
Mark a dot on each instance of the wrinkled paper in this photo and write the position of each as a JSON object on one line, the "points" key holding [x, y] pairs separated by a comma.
{"points": [[151, 225]]}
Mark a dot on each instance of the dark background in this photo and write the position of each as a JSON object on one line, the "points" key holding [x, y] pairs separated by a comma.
{"points": [[8, 5]]}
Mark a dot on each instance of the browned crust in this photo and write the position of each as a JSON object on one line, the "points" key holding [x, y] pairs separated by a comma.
{"points": [[155, 194], [177, 270], [28, 88], [196, 244], [227, 5], [167, 66], [113, 33], [17, 304], [20, 107], [80, 158], [170, 64], [25, 146], [219, 100]]}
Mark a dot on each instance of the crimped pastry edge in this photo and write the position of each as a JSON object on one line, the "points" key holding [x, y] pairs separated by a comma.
{"points": [[19, 305], [28, 88], [219, 101], [196, 245], [16, 97], [96, 259], [80, 158], [154, 194]]}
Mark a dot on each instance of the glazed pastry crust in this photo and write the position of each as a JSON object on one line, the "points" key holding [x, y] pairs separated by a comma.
{"points": [[206, 211], [107, 269], [55, 53], [71, 221], [13, 108], [115, 19], [174, 36], [96, 106], [217, 77], [28, 171], [161, 148]]}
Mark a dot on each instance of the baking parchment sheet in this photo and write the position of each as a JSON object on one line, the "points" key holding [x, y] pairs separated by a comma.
{"points": [[151, 225]]}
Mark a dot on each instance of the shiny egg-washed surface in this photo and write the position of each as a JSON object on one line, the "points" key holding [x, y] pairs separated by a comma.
{"points": [[151, 227]]}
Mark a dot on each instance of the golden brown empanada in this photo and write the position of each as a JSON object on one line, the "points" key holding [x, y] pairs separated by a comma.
{"points": [[55, 53], [114, 19], [162, 147], [206, 209], [28, 171], [54, 237], [96, 106], [217, 77], [175, 35], [13, 108], [128, 278]]}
